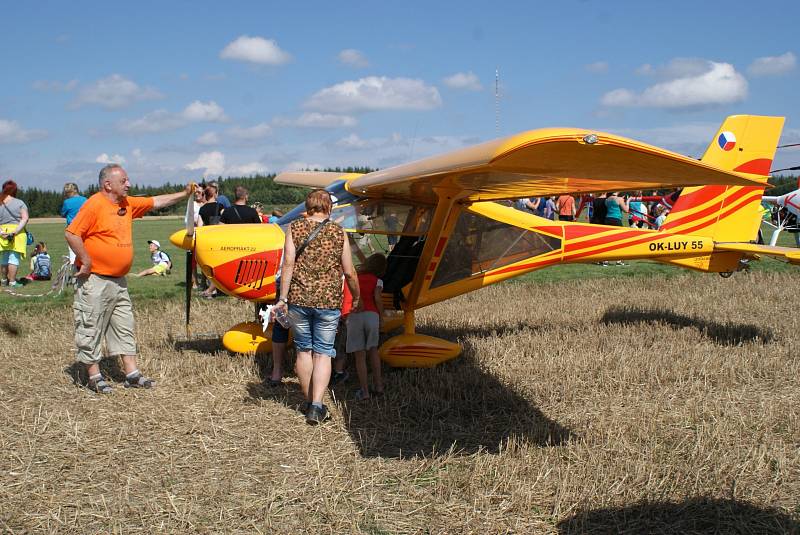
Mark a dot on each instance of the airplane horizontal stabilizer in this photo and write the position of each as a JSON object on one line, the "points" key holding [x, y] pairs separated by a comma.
{"points": [[790, 254]]}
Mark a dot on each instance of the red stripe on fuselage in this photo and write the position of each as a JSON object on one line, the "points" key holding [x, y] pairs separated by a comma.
{"points": [[601, 241], [555, 230], [650, 237], [573, 231]]}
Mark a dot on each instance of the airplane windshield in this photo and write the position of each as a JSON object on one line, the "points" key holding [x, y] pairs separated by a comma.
{"points": [[383, 217], [479, 244], [336, 189]]}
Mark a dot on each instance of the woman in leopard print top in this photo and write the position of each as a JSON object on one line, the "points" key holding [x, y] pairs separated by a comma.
{"points": [[311, 287]]}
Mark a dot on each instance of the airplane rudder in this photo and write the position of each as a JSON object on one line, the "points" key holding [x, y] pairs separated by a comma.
{"points": [[745, 144]]}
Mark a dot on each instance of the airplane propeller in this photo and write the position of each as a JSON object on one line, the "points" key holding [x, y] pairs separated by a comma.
{"points": [[189, 257]]}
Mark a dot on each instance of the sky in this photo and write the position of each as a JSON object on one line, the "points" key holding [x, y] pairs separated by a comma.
{"points": [[176, 91]]}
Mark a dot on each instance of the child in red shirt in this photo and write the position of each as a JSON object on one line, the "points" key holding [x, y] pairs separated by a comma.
{"points": [[364, 325]]}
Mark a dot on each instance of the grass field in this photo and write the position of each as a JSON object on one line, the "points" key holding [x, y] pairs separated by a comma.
{"points": [[629, 400]]}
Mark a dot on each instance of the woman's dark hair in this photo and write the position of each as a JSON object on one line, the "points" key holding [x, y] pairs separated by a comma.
{"points": [[375, 264]]}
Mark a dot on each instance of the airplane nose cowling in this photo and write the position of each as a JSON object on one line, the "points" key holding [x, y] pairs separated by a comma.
{"points": [[243, 260], [181, 240]]}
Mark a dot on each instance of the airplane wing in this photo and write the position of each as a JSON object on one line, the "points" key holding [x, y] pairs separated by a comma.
{"points": [[544, 162], [790, 254], [312, 179]]}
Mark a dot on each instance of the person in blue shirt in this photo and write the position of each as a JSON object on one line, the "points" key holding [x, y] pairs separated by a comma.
{"points": [[73, 201]]}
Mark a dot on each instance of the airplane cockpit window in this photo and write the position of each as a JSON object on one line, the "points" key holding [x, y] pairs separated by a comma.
{"points": [[336, 189], [479, 244], [383, 217]]}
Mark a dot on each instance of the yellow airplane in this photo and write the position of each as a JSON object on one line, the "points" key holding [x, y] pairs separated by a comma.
{"points": [[450, 235]]}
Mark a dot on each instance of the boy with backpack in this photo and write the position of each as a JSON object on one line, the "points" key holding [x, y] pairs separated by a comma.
{"points": [[40, 264], [162, 263]]}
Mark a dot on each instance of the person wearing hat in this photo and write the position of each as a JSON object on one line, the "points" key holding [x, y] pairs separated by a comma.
{"points": [[161, 261]]}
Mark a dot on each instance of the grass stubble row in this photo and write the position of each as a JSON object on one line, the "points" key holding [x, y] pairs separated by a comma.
{"points": [[645, 405]]}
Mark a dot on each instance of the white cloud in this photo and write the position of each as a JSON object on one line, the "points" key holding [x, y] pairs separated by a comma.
{"points": [[646, 70], [209, 138], [12, 132], [162, 120], [463, 80], [773, 65], [353, 142], [317, 120], [204, 112], [376, 93], [258, 131], [212, 163], [718, 83], [676, 68], [113, 93], [106, 159], [598, 67], [255, 50], [55, 86], [253, 168], [353, 58]]}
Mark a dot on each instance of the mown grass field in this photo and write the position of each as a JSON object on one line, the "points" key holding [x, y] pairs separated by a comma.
{"points": [[628, 400]]}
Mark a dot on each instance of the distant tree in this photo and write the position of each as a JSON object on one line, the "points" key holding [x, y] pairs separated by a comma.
{"points": [[781, 184]]}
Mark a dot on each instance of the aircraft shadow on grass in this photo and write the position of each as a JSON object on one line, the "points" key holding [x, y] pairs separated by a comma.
{"points": [[727, 334], [698, 515], [456, 408]]}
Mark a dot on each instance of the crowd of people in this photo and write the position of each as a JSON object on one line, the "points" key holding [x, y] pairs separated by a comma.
{"points": [[323, 313], [603, 209], [211, 207]]}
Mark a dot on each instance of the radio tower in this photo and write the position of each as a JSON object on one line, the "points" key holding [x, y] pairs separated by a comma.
{"points": [[497, 102]]}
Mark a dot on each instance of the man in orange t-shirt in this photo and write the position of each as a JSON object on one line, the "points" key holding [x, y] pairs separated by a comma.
{"points": [[100, 235]]}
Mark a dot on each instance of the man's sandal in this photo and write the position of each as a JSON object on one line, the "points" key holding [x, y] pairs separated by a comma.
{"points": [[100, 386], [139, 382]]}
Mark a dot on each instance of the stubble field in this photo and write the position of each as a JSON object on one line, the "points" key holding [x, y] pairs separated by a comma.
{"points": [[636, 405]]}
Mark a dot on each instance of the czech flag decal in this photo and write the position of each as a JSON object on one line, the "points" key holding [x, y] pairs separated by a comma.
{"points": [[726, 141]]}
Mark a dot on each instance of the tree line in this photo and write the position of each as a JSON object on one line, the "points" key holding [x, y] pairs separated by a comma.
{"points": [[262, 188]]}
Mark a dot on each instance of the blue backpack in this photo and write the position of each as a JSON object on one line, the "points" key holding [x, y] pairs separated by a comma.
{"points": [[42, 265]]}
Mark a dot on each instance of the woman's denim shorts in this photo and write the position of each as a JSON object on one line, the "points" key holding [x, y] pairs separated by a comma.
{"points": [[315, 329]]}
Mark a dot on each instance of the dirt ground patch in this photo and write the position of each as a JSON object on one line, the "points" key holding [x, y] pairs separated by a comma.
{"points": [[634, 406]]}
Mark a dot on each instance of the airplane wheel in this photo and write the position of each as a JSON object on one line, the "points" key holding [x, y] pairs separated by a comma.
{"points": [[725, 274]]}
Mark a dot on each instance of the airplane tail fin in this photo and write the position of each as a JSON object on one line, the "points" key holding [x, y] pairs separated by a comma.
{"points": [[745, 144]]}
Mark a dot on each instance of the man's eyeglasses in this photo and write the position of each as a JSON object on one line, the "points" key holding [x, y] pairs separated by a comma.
{"points": [[122, 211]]}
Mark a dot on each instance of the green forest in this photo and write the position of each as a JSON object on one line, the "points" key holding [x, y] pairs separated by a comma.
{"points": [[262, 188]]}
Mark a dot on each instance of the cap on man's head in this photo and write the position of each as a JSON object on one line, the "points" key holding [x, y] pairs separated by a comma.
{"points": [[155, 242]]}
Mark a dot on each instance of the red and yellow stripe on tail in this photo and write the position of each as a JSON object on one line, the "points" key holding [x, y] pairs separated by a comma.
{"points": [[745, 144]]}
